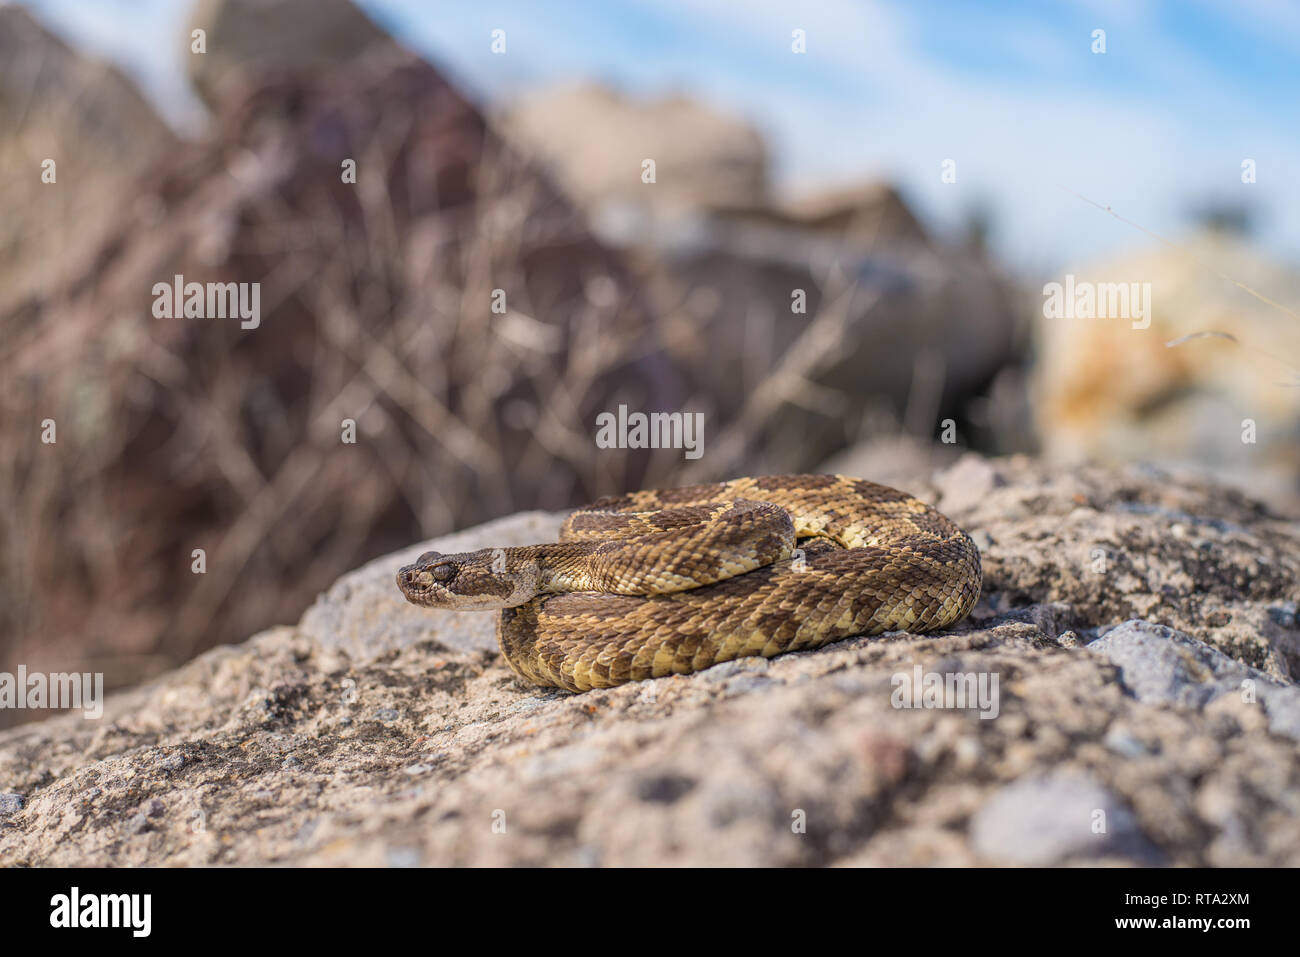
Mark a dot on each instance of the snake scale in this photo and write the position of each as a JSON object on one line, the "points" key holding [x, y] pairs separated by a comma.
{"points": [[671, 581]]}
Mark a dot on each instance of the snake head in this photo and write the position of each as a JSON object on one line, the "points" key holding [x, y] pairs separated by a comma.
{"points": [[488, 579]]}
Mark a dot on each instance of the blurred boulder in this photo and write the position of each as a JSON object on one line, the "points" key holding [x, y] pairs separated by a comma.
{"points": [[57, 104], [1156, 389], [596, 140], [895, 460], [828, 318], [244, 38]]}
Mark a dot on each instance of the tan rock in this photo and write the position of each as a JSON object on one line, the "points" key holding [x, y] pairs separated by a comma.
{"points": [[595, 140], [1107, 390]]}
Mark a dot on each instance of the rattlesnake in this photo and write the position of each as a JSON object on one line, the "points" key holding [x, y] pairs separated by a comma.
{"points": [[675, 580]]}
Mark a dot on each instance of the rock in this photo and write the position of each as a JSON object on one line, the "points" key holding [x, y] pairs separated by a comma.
{"points": [[1169, 547], [826, 290], [967, 484], [1044, 821], [10, 804], [899, 461], [58, 104], [246, 38], [382, 735], [1161, 665], [702, 156], [1226, 403]]}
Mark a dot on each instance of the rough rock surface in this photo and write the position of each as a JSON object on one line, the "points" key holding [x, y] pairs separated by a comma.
{"points": [[379, 733]]}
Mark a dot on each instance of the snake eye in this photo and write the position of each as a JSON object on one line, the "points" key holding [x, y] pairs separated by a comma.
{"points": [[444, 572]]}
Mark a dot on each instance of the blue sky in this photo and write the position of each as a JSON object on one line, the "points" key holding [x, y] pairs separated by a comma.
{"points": [[1157, 125]]}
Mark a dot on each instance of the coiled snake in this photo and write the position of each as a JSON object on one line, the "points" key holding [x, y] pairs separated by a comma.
{"points": [[675, 580]]}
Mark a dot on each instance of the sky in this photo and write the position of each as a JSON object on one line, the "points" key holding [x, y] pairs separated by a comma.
{"points": [[1157, 126]]}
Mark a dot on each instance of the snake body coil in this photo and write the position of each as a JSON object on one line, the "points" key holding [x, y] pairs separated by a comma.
{"points": [[675, 580]]}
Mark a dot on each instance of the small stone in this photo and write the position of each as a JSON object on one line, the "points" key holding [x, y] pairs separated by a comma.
{"points": [[387, 714], [1041, 821], [1285, 614], [10, 803], [664, 788], [1121, 742], [402, 857], [172, 762]]}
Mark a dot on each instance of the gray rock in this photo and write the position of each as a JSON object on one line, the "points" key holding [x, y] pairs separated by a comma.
{"points": [[172, 762], [1048, 820], [1161, 665], [10, 804]]}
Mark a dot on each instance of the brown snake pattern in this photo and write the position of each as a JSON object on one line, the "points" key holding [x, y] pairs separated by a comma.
{"points": [[675, 580]]}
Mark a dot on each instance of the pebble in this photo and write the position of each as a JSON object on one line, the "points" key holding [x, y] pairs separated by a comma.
{"points": [[172, 762], [1041, 821]]}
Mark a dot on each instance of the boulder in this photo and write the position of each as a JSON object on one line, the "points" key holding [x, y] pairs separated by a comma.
{"points": [[377, 733], [101, 134], [595, 140], [244, 39], [1207, 379]]}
